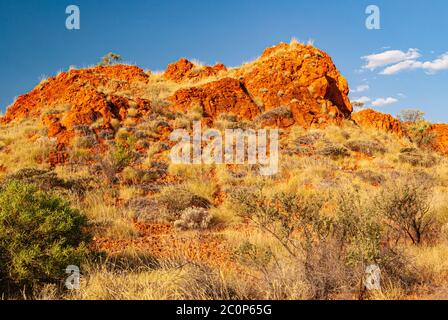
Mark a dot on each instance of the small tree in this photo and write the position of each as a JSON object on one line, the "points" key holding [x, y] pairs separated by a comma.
{"points": [[40, 235], [405, 203], [411, 115], [110, 59], [417, 127], [358, 105]]}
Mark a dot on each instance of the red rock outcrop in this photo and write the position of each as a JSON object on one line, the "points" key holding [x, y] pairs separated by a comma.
{"points": [[373, 119], [300, 77], [223, 96], [75, 97], [440, 141], [186, 70]]}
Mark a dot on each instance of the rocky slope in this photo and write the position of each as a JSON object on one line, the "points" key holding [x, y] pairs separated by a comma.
{"points": [[298, 78], [290, 84], [75, 98]]}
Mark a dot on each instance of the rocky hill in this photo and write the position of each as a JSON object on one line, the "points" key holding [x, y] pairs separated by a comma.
{"points": [[289, 84], [298, 78]]}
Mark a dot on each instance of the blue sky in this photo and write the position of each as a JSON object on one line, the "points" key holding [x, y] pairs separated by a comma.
{"points": [[153, 33]]}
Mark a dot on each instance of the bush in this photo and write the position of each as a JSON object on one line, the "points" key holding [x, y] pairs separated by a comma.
{"points": [[405, 203], [334, 151], [193, 219], [281, 112], [309, 139], [132, 176], [418, 132], [365, 146], [119, 156], [84, 142], [110, 59], [417, 158], [417, 128], [360, 234], [47, 180], [371, 177], [411, 115], [178, 198], [40, 235], [122, 155]]}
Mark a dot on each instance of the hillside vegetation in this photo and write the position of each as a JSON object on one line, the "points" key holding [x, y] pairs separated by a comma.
{"points": [[352, 190]]}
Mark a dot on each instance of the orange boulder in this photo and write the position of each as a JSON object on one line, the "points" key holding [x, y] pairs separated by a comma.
{"points": [[373, 119], [185, 70], [440, 141], [223, 96], [300, 77]]}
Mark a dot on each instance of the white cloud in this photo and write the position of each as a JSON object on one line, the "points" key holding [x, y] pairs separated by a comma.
{"points": [[361, 88], [385, 58], [362, 100], [430, 67], [383, 101], [404, 65], [438, 64]]}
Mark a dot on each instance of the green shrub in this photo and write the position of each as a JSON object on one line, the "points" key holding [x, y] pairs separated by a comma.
{"points": [[122, 155], [332, 250], [418, 132], [40, 235]]}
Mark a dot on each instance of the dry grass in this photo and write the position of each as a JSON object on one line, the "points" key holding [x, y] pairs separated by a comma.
{"points": [[108, 220], [24, 144]]}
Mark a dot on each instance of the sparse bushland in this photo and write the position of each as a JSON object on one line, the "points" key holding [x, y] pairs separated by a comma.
{"points": [[332, 251], [307, 233], [344, 198]]}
